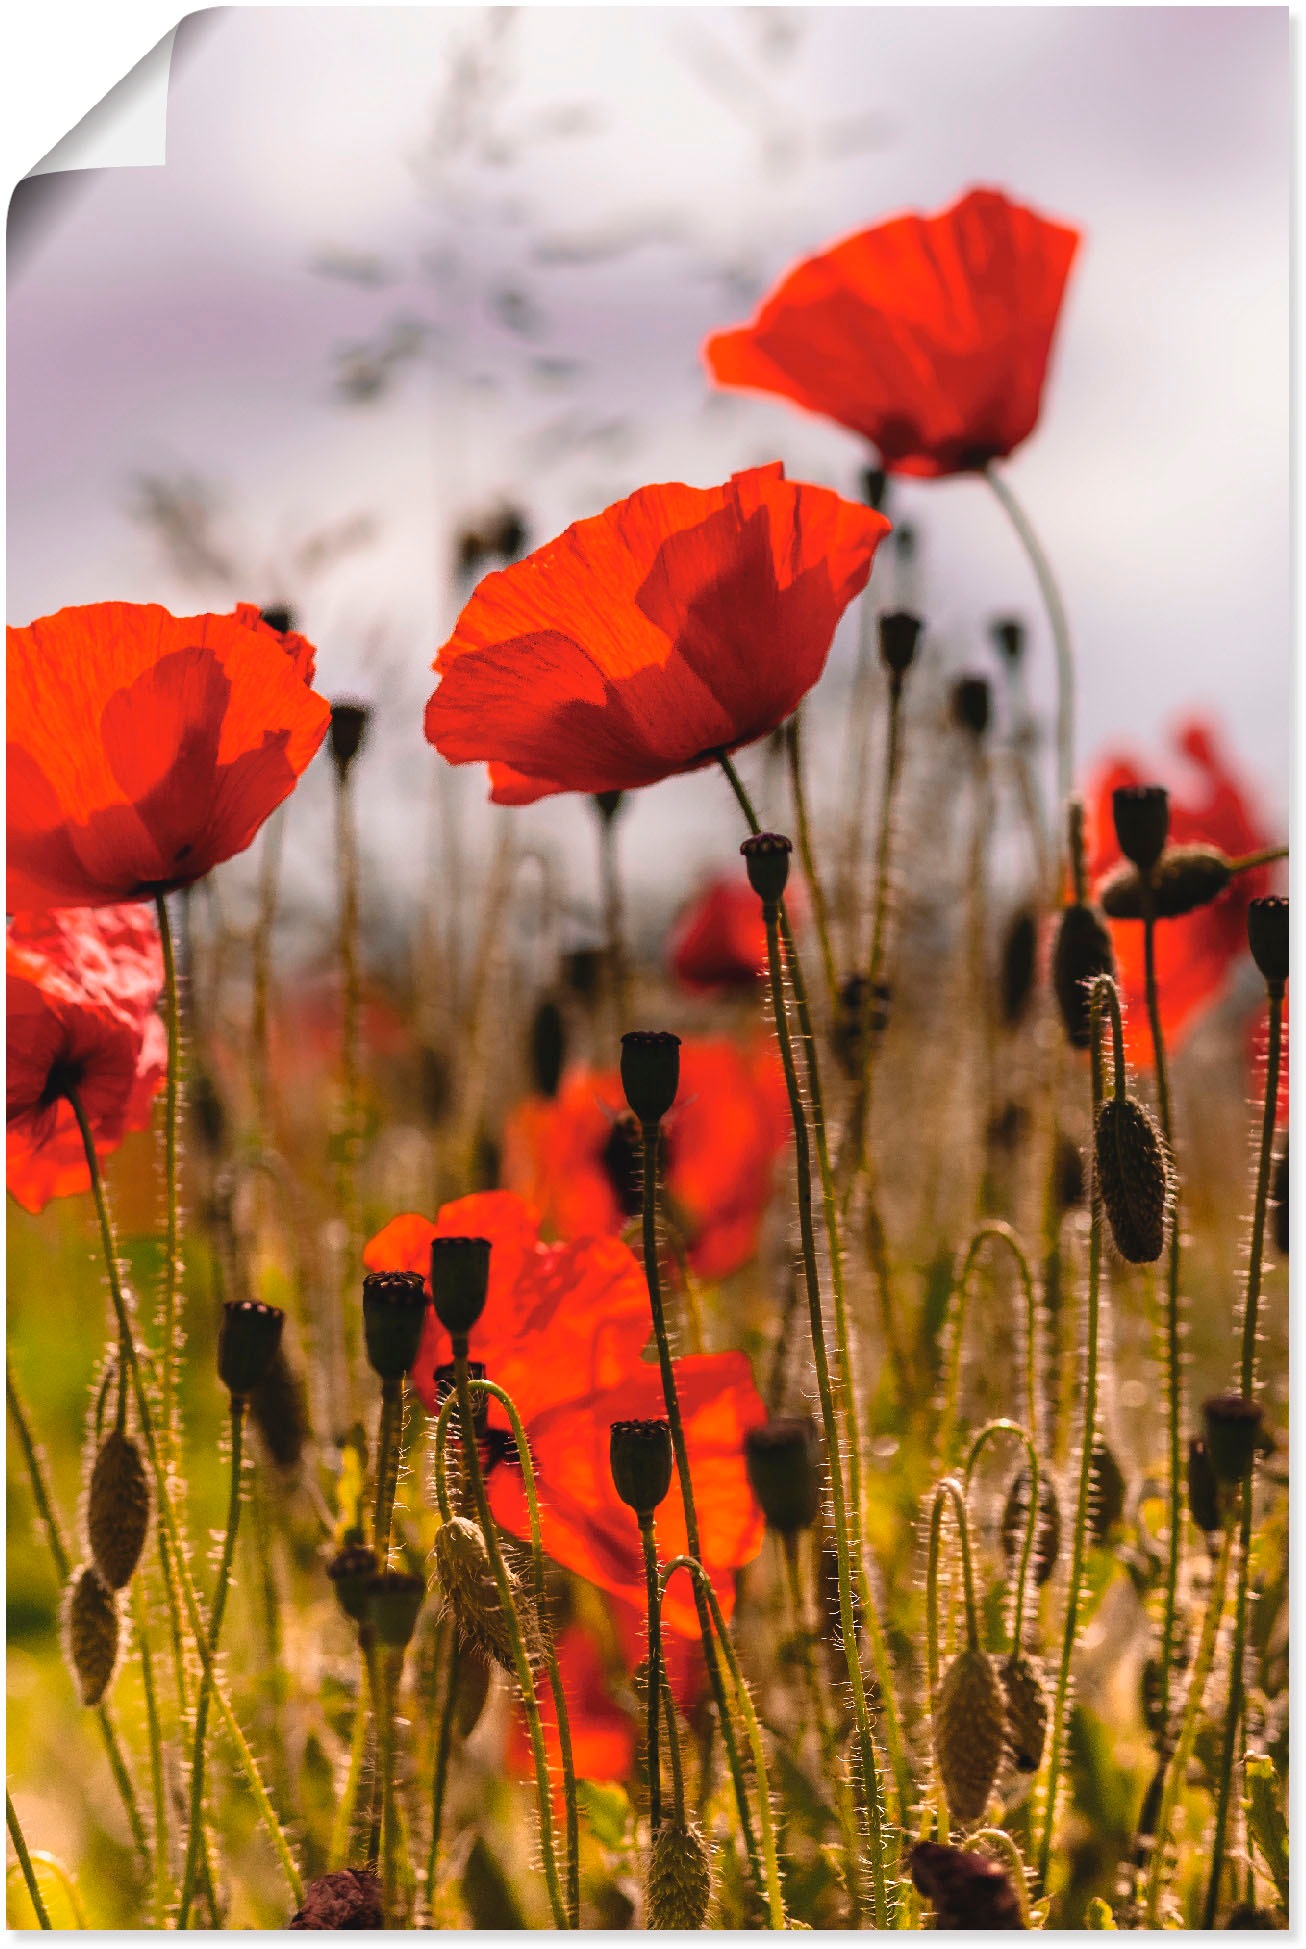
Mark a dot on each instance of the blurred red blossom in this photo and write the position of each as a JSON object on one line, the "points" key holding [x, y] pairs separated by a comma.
{"points": [[718, 941]]}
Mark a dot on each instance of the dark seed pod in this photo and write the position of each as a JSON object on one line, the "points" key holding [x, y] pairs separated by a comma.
{"points": [[118, 1510], [460, 1279], [1008, 634], [92, 1633], [679, 1878], [650, 1072], [348, 1899], [548, 1047], [1047, 1532], [1279, 1202], [970, 1734], [608, 804], [783, 1459], [640, 1458], [279, 1407], [1183, 879], [391, 1601], [766, 855], [967, 1889], [582, 970], [1267, 936], [248, 1339], [899, 635], [1233, 1433], [471, 1594], [1019, 956], [1081, 952], [351, 1570], [1133, 1176], [1203, 1491], [971, 705], [1027, 1711], [1106, 1492], [394, 1314], [1142, 821], [349, 722]]}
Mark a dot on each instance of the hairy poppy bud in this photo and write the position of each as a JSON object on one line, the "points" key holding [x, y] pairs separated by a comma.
{"points": [[1047, 1530], [1081, 952], [349, 722], [1267, 936], [1133, 1176], [118, 1510], [1106, 1491], [279, 1405], [1019, 953], [1233, 1429], [650, 1072], [391, 1601], [350, 1898], [1027, 1710], [351, 1570], [471, 1594], [548, 1047], [1142, 820], [679, 1878], [900, 632], [1279, 1202], [446, 1383], [1008, 634], [1183, 879], [967, 1889], [783, 1458], [394, 1313], [766, 855], [1203, 1490], [248, 1339], [970, 1734], [971, 703], [92, 1629], [640, 1456], [460, 1278]]}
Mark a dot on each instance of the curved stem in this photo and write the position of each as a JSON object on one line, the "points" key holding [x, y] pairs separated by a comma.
{"points": [[996, 1230], [981, 1441], [25, 1863], [947, 1490], [820, 908], [64, 1879], [172, 1246], [1058, 622]]}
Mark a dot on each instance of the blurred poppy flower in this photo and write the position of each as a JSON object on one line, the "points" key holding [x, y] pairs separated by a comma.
{"points": [[676, 624], [145, 748], [577, 1155], [602, 1728], [718, 941], [82, 988], [929, 336], [1195, 953]]}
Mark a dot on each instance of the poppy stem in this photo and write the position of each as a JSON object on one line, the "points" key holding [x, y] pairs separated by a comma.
{"points": [[162, 1892], [1266, 857], [996, 1231], [614, 928], [1058, 622], [650, 1548], [877, 952], [440, 1777], [673, 1751], [389, 1450], [1247, 1387], [342, 1826], [820, 908], [25, 1863], [800, 1624], [1032, 1516], [172, 1246], [1104, 1000]]}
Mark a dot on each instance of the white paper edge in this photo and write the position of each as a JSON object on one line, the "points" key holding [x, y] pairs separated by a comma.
{"points": [[126, 130]]}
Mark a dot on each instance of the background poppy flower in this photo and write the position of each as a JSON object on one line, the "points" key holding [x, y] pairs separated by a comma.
{"points": [[82, 986], [678, 623], [1196, 953], [718, 941], [602, 1728], [145, 748], [929, 336], [576, 1155]]}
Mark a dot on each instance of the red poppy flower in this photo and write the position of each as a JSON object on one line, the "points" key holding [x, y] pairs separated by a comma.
{"points": [[1194, 954], [82, 988], [145, 748], [718, 942], [602, 1727], [576, 1155], [303, 656], [929, 336], [678, 623]]}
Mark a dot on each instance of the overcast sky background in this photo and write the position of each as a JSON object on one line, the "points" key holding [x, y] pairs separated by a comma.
{"points": [[516, 229]]}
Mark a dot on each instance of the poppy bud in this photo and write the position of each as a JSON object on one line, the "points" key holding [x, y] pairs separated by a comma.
{"points": [[970, 1734], [351, 1570], [970, 705], [394, 1313], [1279, 1202], [1183, 879], [1047, 1530], [783, 1459], [650, 1073], [967, 1889], [1081, 952], [350, 1898], [1233, 1428], [471, 1594], [248, 1339], [1203, 1491], [899, 634], [446, 1382], [1027, 1711], [1142, 820], [1267, 937], [92, 1630], [1133, 1176], [548, 1047], [766, 855], [118, 1510], [349, 722], [392, 1600], [278, 617], [1019, 951], [679, 1878], [608, 805], [640, 1456], [1106, 1491], [460, 1278], [279, 1405], [1008, 634]]}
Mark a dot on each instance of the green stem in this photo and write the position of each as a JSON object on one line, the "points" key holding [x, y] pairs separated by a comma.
{"points": [[614, 931], [981, 1441], [440, 1778], [172, 1246], [389, 1445], [388, 1664], [25, 1862], [820, 909], [1058, 622], [649, 1542], [877, 953], [831, 1758], [342, 1826], [162, 1892], [996, 1231], [673, 1751]]}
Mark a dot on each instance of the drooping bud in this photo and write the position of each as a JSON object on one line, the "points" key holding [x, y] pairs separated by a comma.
{"points": [[679, 1878], [1279, 1202], [460, 1279], [1081, 952], [349, 722], [1203, 1490], [783, 1458], [970, 1731], [1019, 956], [967, 1889], [351, 1570], [1008, 634], [650, 1072], [394, 1313], [1133, 1176], [1047, 1530], [766, 855], [471, 1594], [1027, 1710], [118, 1509], [1106, 1491], [548, 1047], [92, 1634], [349, 1898], [248, 1339], [972, 705], [1267, 936], [640, 1456], [1142, 820], [392, 1600], [900, 633], [1183, 879], [1233, 1431]]}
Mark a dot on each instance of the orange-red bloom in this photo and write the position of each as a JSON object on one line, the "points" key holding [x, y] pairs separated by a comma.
{"points": [[1194, 954], [82, 987], [929, 336], [718, 942], [145, 748], [678, 623], [303, 656], [576, 1156]]}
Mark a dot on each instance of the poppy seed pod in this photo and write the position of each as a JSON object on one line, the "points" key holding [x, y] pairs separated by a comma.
{"points": [[1047, 1530], [460, 1278], [1142, 820], [766, 855], [1019, 960], [349, 722], [608, 804], [1203, 1490], [391, 1602], [351, 1570], [394, 1313], [1267, 936], [640, 1457], [1233, 1432], [1133, 1176], [900, 633], [650, 1073], [1027, 1711], [92, 1632], [350, 1898], [548, 1047], [783, 1458], [971, 705], [967, 1889], [278, 617], [248, 1339], [1081, 952], [679, 1878], [970, 1733], [118, 1509], [1183, 879], [1008, 634]]}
